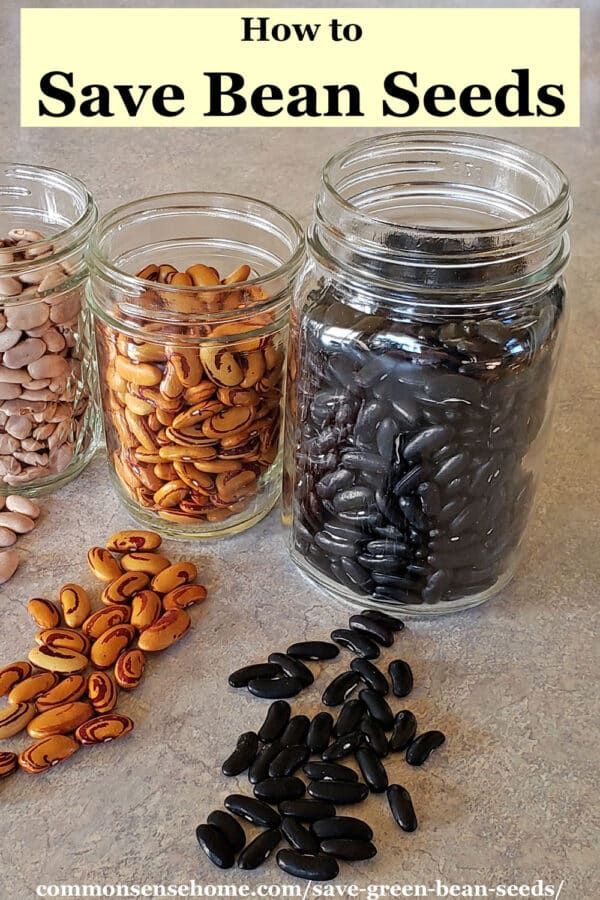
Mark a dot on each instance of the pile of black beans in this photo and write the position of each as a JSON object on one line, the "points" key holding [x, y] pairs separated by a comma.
{"points": [[366, 728], [413, 476]]}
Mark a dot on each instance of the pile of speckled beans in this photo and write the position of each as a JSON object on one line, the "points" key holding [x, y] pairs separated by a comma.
{"points": [[65, 693], [41, 403]]}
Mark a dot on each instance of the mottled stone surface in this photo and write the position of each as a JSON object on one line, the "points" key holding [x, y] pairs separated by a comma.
{"points": [[514, 684]]}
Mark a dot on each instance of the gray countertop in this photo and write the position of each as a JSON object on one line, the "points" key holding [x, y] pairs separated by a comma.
{"points": [[511, 796]]}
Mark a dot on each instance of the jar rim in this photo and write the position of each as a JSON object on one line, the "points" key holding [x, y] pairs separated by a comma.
{"points": [[559, 209], [69, 238], [113, 220]]}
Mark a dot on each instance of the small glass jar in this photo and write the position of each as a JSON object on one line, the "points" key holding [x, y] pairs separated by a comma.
{"points": [[425, 338], [191, 294], [49, 426]]}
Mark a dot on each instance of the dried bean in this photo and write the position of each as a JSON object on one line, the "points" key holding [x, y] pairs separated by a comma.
{"points": [[348, 848], [259, 850], [313, 650], [313, 868], [418, 751], [252, 809], [276, 720], [243, 755], [214, 843], [299, 837], [401, 676], [277, 789], [231, 828], [402, 808], [319, 732]]}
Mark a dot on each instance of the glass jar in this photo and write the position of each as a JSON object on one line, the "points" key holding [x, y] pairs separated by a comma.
{"points": [[191, 294], [49, 425], [426, 333]]}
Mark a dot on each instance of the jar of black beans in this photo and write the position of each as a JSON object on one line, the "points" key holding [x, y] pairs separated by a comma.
{"points": [[425, 340]]}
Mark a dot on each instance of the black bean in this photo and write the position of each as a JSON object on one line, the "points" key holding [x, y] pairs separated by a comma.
{"points": [[253, 810], [387, 548], [357, 643], [274, 790], [409, 481], [344, 746], [411, 509], [402, 807], [401, 676], [216, 846], [446, 387], [316, 650], [405, 408], [451, 468], [299, 837], [427, 441], [295, 731], [340, 688], [373, 770], [338, 792], [259, 770], [307, 810], [354, 498], [348, 848], [383, 564], [288, 760], [374, 630], [334, 481], [429, 495], [313, 868], [278, 715], [419, 750], [451, 510], [319, 771], [370, 675], [319, 732], [437, 585], [342, 827], [242, 677], [405, 728], [356, 573], [334, 546], [259, 850], [270, 688], [386, 437], [374, 736], [364, 461], [243, 755], [349, 718], [293, 667], [230, 827], [378, 707], [391, 622]]}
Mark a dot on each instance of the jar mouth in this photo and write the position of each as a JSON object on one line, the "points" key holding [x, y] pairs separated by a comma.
{"points": [[354, 177], [136, 232], [33, 196]]}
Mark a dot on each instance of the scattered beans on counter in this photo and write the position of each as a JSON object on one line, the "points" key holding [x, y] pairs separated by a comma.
{"points": [[18, 515], [304, 813], [65, 694]]}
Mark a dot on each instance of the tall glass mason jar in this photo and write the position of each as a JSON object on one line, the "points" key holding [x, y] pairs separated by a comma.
{"points": [[191, 294], [426, 334], [49, 425]]}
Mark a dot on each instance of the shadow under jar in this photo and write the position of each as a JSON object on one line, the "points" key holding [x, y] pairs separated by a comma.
{"points": [[425, 340], [49, 425], [190, 294]]}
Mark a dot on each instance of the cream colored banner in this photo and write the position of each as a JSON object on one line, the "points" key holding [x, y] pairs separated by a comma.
{"points": [[299, 67]]}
